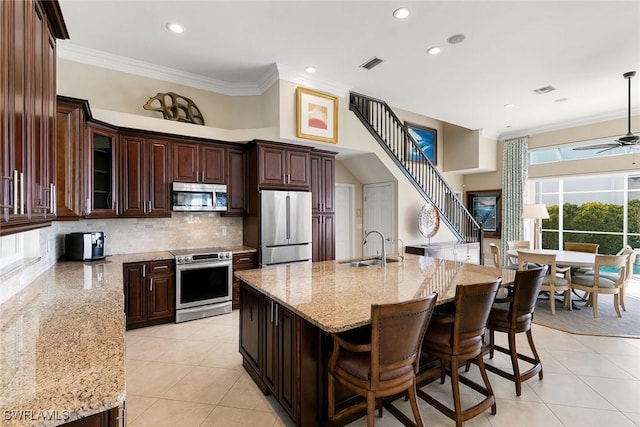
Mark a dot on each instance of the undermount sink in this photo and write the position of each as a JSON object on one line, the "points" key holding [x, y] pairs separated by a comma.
{"points": [[367, 262]]}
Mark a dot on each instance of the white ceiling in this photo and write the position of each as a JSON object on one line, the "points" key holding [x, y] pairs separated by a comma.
{"points": [[581, 48]]}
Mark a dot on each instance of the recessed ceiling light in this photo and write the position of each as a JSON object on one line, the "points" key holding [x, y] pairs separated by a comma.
{"points": [[509, 105], [456, 38], [401, 13], [433, 50], [174, 27], [310, 69]]}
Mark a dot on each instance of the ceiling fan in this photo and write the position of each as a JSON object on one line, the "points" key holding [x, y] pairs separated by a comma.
{"points": [[629, 140]]}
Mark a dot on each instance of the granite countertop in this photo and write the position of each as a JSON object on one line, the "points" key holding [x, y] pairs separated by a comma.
{"points": [[62, 343], [336, 297]]}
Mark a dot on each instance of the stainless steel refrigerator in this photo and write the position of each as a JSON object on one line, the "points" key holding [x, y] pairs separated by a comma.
{"points": [[285, 227]]}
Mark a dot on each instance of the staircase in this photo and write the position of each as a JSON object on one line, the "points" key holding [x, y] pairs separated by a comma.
{"points": [[394, 138]]}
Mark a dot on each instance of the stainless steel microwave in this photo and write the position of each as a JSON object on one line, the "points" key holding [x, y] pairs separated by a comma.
{"points": [[192, 197]]}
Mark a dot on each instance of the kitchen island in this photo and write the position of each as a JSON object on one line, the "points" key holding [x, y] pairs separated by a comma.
{"points": [[288, 311]]}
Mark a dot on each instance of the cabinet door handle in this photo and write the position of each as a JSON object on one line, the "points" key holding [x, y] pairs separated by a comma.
{"points": [[244, 259], [22, 202], [271, 305], [277, 314], [14, 204], [144, 208], [150, 207], [54, 200], [202, 175], [144, 270], [251, 313], [151, 285], [162, 267]]}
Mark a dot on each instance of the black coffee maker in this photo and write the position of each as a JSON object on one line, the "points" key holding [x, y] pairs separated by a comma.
{"points": [[85, 246]]}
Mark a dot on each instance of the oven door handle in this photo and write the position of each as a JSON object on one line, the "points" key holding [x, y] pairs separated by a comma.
{"points": [[207, 264]]}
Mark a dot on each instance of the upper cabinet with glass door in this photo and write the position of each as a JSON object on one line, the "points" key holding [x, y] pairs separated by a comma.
{"points": [[101, 173]]}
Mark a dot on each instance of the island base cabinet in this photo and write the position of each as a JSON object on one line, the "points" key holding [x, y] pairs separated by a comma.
{"points": [[250, 332], [287, 356], [280, 373], [109, 418]]}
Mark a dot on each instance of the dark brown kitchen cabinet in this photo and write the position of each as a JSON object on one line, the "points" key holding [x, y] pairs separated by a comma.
{"points": [[194, 162], [280, 364], [71, 135], [145, 181], [269, 337], [28, 32], [241, 261], [323, 237], [101, 172], [322, 182], [251, 330], [322, 205], [281, 166], [108, 418], [149, 293], [236, 191]]}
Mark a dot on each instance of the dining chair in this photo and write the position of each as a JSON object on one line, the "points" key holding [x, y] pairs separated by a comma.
{"points": [[453, 339], [516, 245], [497, 258], [597, 283], [557, 280], [591, 248], [385, 365], [628, 272], [515, 318]]}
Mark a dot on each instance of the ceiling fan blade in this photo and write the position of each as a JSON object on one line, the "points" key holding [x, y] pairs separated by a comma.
{"points": [[607, 149], [603, 147]]}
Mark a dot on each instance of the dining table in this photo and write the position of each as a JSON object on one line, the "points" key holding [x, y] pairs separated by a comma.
{"points": [[563, 258]]}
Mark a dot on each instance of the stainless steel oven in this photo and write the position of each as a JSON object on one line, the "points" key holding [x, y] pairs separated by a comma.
{"points": [[204, 280]]}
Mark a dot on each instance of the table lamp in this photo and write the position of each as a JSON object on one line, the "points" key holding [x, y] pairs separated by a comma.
{"points": [[535, 211]]}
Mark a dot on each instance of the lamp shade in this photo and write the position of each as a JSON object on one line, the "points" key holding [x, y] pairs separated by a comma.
{"points": [[535, 211]]}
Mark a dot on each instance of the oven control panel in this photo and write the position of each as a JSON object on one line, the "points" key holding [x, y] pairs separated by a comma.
{"points": [[198, 258]]}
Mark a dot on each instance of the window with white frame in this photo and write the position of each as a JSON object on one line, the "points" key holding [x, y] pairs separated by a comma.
{"points": [[603, 209]]}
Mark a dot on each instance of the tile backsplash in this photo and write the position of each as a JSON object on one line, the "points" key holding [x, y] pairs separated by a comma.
{"points": [[127, 235], [181, 231]]}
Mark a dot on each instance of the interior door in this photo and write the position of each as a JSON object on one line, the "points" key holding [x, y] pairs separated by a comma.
{"points": [[344, 235], [379, 205]]}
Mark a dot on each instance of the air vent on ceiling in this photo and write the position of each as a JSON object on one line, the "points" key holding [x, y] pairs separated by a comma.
{"points": [[373, 62], [545, 89]]}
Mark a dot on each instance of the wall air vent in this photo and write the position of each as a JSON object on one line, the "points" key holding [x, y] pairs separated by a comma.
{"points": [[371, 63], [544, 90]]}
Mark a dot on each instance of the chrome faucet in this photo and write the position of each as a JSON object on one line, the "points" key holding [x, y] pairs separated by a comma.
{"points": [[400, 241], [383, 259]]}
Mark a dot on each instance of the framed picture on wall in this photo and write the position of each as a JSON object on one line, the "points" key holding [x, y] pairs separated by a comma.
{"points": [[486, 208], [427, 143], [316, 115]]}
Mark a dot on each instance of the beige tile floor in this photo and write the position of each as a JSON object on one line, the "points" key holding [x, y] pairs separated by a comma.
{"points": [[190, 375]]}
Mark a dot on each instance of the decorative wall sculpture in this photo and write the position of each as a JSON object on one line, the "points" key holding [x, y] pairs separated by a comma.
{"points": [[175, 107]]}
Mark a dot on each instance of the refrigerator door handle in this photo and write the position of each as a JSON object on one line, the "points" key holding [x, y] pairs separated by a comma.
{"points": [[288, 217]]}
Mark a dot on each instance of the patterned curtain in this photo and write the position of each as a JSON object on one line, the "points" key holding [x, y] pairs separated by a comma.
{"points": [[515, 168]]}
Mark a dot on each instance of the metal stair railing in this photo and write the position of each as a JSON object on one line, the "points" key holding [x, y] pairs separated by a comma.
{"points": [[394, 138]]}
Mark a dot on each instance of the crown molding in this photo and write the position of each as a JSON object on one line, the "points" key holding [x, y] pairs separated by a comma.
{"points": [[583, 121], [303, 79], [110, 61]]}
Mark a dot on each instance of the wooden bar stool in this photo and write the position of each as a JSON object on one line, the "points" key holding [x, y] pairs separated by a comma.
{"points": [[454, 339], [385, 366]]}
